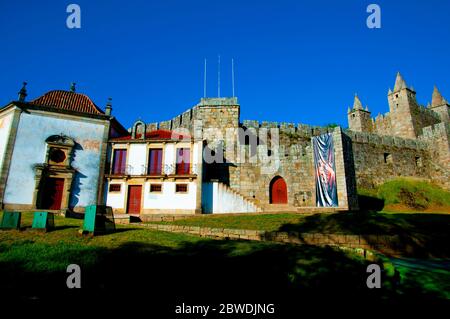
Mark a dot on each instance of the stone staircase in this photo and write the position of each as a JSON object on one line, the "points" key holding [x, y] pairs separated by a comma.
{"points": [[227, 200], [279, 208], [245, 200]]}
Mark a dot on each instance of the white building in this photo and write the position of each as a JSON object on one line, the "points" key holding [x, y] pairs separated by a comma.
{"points": [[53, 150], [161, 173], [155, 174]]}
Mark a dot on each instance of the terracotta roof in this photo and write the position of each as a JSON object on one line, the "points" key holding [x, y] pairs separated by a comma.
{"points": [[66, 100], [157, 135]]}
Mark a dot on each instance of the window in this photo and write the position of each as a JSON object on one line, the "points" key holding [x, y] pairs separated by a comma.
{"points": [[181, 188], [114, 187], [155, 188], [57, 155], [418, 161], [155, 161], [119, 162], [183, 161], [387, 158]]}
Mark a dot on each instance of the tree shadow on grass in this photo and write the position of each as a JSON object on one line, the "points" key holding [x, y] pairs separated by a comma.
{"points": [[416, 235], [204, 272], [367, 202]]}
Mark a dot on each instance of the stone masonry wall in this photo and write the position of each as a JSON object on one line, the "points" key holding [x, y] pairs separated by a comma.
{"points": [[437, 139], [381, 158]]}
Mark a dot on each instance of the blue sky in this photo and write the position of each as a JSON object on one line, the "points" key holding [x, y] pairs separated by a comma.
{"points": [[295, 61]]}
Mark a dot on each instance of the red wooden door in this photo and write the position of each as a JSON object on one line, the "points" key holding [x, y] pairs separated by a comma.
{"points": [[134, 199], [52, 193], [278, 191]]}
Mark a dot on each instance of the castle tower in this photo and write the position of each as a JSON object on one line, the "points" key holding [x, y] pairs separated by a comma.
{"points": [[440, 106], [403, 107], [358, 117]]}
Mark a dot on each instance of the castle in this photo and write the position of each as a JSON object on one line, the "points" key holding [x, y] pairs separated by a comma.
{"points": [[208, 160], [410, 140]]}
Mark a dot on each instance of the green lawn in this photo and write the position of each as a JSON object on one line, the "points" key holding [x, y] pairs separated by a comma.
{"points": [[343, 222], [427, 233], [405, 194], [168, 266], [53, 250], [269, 222]]}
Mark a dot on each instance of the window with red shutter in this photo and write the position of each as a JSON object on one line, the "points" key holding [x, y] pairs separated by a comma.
{"points": [[183, 161], [155, 161], [119, 162]]}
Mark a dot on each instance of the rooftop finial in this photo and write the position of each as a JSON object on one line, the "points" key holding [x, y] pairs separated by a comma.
{"points": [[108, 108], [72, 87], [23, 92]]}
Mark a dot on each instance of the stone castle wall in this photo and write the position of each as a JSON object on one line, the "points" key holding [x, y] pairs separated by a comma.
{"points": [[420, 117], [437, 139], [369, 158], [380, 158]]}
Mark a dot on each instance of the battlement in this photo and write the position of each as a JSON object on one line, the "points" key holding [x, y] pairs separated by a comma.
{"points": [[218, 101], [289, 128], [429, 112], [434, 131], [284, 152], [391, 141]]}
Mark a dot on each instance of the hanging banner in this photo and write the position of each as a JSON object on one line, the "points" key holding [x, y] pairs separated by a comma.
{"points": [[325, 171]]}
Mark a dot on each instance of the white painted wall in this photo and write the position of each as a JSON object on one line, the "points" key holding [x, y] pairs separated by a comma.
{"points": [[5, 128], [195, 158], [168, 199], [218, 198], [169, 158], [116, 199], [30, 149], [136, 159]]}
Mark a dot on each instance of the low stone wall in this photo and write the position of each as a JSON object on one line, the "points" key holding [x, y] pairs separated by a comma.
{"points": [[386, 244]]}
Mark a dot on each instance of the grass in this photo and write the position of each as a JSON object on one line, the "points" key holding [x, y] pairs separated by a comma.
{"points": [[269, 222], [52, 251], [406, 194], [365, 222], [422, 234], [158, 267]]}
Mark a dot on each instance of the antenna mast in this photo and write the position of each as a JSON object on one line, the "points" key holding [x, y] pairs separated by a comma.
{"points": [[204, 81], [218, 79], [232, 74]]}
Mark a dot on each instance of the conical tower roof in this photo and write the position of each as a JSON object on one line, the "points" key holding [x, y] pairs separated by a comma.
{"points": [[357, 105], [437, 98], [399, 83]]}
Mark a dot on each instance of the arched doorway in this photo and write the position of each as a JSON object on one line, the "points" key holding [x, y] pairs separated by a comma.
{"points": [[278, 191]]}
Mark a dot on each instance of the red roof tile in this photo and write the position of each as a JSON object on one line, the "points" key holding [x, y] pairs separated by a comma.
{"points": [[69, 101], [157, 135]]}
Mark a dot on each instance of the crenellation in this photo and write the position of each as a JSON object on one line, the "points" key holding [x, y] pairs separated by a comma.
{"points": [[399, 142], [267, 124], [251, 124], [152, 126]]}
